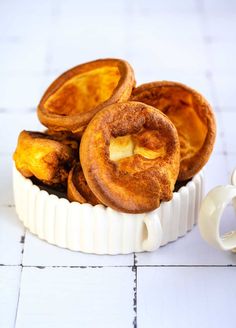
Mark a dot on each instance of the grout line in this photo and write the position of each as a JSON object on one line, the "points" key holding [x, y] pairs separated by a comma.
{"points": [[67, 266], [186, 265], [135, 259], [122, 266], [135, 304], [7, 205], [18, 297], [10, 265], [22, 241]]}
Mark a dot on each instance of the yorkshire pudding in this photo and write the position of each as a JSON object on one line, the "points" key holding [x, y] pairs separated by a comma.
{"points": [[65, 137], [43, 157], [77, 187], [77, 95], [129, 153], [191, 114]]}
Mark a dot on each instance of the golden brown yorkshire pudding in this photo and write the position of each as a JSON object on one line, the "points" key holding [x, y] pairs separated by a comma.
{"points": [[191, 114], [39, 155], [77, 95], [78, 189], [65, 137], [129, 153]]}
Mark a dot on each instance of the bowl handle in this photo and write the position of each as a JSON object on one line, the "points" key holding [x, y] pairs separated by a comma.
{"points": [[154, 233], [210, 216]]}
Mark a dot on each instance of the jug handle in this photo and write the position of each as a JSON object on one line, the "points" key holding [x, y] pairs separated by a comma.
{"points": [[210, 216]]}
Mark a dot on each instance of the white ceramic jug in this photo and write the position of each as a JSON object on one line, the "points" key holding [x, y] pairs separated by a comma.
{"points": [[211, 214]]}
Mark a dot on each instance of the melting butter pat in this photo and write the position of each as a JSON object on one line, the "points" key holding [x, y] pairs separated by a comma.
{"points": [[121, 147], [148, 153]]}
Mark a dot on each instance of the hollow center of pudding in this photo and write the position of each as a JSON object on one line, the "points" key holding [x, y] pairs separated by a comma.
{"points": [[191, 130], [180, 107], [84, 92], [146, 143]]}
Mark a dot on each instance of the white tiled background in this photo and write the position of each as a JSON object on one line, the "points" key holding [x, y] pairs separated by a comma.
{"points": [[183, 284]]}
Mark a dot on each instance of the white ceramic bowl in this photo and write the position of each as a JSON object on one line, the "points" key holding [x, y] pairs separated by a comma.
{"points": [[102, 230]]}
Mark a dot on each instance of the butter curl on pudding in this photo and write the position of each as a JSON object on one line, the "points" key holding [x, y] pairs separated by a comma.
{"points": [[129, 153], [42, 156], [191, 114], [78, 94]]}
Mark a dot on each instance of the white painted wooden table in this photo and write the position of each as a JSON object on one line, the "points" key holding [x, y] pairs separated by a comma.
{"points": [[183, 284]]}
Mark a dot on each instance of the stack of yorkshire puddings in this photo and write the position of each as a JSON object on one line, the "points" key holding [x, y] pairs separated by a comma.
{"points": [[110, 143]]}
